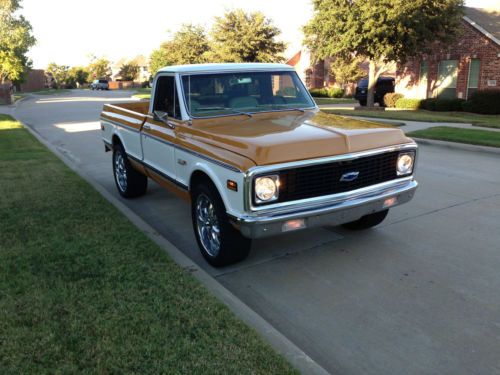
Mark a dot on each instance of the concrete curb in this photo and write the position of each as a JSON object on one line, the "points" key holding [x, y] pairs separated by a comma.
{"points": [[293, 354], [457, 146]]}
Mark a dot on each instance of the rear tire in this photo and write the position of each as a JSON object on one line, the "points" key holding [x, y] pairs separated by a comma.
{"points": [[219, 242], [367, 221], [129, 182]]}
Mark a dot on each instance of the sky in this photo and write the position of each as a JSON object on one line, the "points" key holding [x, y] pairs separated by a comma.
{"points": [[69, 32]]}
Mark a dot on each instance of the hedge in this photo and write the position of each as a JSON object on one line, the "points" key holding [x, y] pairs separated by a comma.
{"points": [[485, 102], [408, 103], [442, 105], [333, 92]]}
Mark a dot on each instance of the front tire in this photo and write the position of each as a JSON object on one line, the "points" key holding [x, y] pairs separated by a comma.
{"points": [[129, 182], [367, 221], [219, 242]]}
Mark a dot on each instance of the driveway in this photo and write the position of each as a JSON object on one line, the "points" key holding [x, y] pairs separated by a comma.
{"points": [[420, 294]]}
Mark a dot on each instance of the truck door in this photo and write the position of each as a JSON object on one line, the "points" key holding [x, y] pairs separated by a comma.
{"points": [[158, 136]]}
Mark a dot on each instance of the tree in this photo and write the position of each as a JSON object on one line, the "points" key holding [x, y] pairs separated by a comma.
{"points": [[59, 73], [77, 75], [346, 70], [16, 39], [246, 37], [99, 68], [189, 45], [158, 59], [380, 31], [129, 71]]}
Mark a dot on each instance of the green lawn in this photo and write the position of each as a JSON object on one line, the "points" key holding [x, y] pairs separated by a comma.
{"points": [[82, 290], [322, 101], [144, 93], [492, 121], [470, 136]]}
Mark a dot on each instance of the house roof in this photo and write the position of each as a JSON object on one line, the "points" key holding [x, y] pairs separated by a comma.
{"points": [[486, 21]]}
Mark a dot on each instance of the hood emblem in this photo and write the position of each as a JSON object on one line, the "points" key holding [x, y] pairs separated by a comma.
{"points": [[349, 176]]}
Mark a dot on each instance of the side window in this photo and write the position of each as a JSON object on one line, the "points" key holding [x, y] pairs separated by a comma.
{"points": [[166, 98]]}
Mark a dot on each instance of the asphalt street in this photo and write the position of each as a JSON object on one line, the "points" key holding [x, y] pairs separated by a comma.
{"points": [[420, 294]]}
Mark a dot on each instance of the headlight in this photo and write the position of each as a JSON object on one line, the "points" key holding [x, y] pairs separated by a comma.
{"points": [[405, 163], [266, 188]]}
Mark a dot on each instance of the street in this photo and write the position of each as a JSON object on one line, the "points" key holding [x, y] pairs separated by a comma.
{"points": [[419, 294]]}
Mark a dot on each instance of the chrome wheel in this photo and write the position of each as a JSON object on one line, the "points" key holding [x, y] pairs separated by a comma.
{"points": [[207, 225], [120, 171]]}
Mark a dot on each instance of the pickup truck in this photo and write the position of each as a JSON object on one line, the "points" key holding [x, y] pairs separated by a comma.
{"points": [[248, 147]]}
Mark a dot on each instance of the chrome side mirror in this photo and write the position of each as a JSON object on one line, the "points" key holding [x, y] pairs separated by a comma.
{"points": [[163, 117]]}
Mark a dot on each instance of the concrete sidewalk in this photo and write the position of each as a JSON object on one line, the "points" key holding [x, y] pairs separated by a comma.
{"points": [[419, 125]]}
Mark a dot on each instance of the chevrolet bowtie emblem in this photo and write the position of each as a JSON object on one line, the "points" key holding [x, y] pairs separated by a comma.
{"points": [[349, 176]]}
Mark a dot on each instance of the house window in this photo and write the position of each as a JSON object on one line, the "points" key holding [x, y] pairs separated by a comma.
{"points": [[473, 81], [446, 84], [422, 78]]}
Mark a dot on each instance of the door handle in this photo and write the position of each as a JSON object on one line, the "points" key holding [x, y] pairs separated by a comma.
{"points": [[146, 126]]}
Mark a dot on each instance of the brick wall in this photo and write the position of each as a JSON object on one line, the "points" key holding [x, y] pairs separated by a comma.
{"points": [[34, 81], [120, 85], [471, 44]]}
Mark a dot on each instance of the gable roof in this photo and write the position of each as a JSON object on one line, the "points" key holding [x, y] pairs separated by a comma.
{"points": [[487, 21]]}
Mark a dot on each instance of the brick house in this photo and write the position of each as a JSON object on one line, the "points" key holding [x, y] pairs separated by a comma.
{"points": [[457, 70], [472, 62]]}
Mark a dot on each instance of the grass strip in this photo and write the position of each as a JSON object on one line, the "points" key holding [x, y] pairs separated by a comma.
{"points": [[82, 290], [469, 136], [491, 121], [323, 101], [143, 93]]}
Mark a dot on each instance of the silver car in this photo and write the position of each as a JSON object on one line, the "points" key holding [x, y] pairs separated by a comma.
{"points": [[99, 84]]}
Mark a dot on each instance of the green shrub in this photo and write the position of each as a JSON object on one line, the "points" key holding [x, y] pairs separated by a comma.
{"points": [[391, 98], [485, 101], [335, 92], [408, 103], [319, 93], [445, 105], [442, 105], [428, 104]]}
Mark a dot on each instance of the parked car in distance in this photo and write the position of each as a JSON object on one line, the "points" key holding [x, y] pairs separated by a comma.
{"points": [[99, 84], [383, 86], [247, 146]]}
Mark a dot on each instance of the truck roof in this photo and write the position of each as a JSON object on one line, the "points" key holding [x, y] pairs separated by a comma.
{"points": [[214, 68]]}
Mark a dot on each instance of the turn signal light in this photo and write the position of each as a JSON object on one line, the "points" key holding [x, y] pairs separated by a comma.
{"points": [[293, 225], [232, 185]]}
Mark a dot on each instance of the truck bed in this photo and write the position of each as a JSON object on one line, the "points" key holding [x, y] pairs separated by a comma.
{"points": [[131, 114]]}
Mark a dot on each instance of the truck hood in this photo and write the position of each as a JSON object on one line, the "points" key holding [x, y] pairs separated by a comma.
{"points": [[278, 137]]}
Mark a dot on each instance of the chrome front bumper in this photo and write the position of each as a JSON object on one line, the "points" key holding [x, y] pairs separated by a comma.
{"points": [[340, 209]]}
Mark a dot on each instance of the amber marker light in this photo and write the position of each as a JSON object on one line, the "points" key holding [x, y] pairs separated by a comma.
{"points": [[232, 185], [390, 202], [293, 225]]}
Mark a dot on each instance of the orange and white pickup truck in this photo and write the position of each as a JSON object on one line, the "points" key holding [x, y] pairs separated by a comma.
{"points": [[248, 147]]}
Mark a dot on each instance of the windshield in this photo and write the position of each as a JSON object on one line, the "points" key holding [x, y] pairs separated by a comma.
{"points": [[245, 92]]}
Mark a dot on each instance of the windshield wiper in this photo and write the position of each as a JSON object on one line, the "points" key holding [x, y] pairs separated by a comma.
{"points": [[241, 113]]}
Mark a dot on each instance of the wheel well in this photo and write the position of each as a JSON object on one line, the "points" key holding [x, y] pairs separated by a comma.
{"points": [[116, 140], [199, 177]]}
